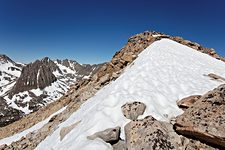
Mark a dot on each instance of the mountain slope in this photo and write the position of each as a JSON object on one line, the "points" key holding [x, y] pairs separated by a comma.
{"points": [[27, 88], [163, 73], [9, 72]]}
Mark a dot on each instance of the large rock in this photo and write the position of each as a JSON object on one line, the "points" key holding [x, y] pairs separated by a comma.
{"points": [[147, 134], [133, 110], [8, 114], [205, 120], [151, 134], [188, 101], [110, 135]]}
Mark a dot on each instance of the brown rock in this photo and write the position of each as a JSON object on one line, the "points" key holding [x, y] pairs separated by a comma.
{"points": [[216, 77], [147, 134], [205, 119], [188, 101]]}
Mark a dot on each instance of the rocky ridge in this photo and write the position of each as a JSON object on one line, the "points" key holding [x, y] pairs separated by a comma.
{"points": [[31, 88], [85, 89]]}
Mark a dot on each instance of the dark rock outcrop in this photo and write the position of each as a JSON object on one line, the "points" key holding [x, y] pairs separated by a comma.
{"points": [[205, 119], [8, 114], [35, 75]]}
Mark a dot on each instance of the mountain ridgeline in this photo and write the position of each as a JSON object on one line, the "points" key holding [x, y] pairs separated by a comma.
{"points": [[27, 88]]}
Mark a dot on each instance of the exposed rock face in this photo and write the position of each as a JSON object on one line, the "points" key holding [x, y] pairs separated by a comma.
{"points": [[198, 47], [133, 110], [147, 134], [183, 143], [109, 135], [188, 101], [205, 119], [35, 75]]}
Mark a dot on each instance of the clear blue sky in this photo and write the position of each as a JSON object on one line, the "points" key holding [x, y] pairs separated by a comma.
{"points": [[91, 31]]}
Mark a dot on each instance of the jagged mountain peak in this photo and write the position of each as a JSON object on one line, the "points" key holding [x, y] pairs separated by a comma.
{"points": [[4, 58]]}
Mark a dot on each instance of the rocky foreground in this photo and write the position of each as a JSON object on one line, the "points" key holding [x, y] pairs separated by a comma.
{"points": [[201, 126]]}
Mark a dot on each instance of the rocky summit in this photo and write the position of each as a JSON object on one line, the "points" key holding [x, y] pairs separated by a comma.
{"points": [[157, 92]]}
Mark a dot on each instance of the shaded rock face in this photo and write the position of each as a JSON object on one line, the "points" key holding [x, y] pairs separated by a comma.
{"points": [[8, 114], [205, 119], [133, 110], [110, 135], [185, 103], [120, 145], [147, 134], [35, 75]]}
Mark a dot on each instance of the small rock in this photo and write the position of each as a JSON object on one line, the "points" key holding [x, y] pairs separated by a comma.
{"points": [[216, 77], [188, 101], [104, 79], [110, 135], [65, 130], [133, 110]]}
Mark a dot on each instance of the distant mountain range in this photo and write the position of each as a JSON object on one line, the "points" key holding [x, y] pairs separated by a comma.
{"points": [[25, 88]]}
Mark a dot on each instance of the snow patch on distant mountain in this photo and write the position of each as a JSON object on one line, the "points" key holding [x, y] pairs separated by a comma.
{"points": [[9, 72]]}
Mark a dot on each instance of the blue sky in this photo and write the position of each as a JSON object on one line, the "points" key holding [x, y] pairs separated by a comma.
{"points": [[91, 31]]}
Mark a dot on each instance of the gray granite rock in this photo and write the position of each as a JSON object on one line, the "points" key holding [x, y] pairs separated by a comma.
{"points": [[133, 110]]}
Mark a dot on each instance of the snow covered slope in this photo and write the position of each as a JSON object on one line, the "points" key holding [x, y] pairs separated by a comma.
{"points": [[163, 73], [9, 72]]}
